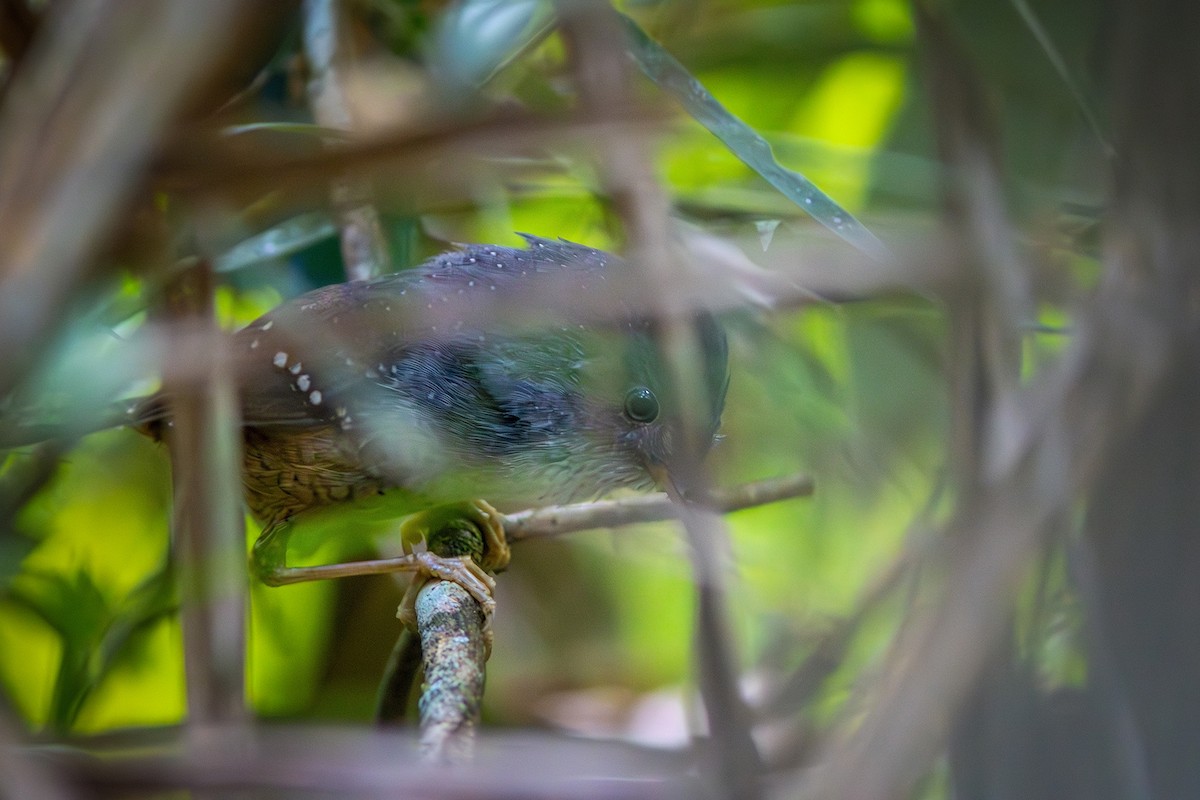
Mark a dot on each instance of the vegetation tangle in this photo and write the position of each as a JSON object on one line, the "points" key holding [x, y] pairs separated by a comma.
{"points": [[733, 399]]}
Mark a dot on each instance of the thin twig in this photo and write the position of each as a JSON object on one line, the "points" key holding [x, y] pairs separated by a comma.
{"points": [[559, 520], [540, 523], [1055, 57], [212, 165]]}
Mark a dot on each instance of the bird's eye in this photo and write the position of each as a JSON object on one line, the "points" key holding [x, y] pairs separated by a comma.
{"points": [[641, 405]]}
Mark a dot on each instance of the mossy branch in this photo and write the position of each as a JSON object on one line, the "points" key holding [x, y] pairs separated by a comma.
{"points": [[454, 645]]}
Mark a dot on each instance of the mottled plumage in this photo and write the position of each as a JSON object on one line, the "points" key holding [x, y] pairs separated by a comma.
{"points": [[358, 388]]}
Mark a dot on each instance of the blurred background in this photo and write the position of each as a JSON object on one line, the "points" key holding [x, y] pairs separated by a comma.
{"points": [[992, 591]]}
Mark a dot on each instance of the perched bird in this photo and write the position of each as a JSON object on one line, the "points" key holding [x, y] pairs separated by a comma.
{"points": [[365, 394]]}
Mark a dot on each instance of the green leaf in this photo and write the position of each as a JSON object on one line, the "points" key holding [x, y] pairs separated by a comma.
{"points": [[744, 142], [92, 632], [280, 241], [300, 128], [478, 38]]}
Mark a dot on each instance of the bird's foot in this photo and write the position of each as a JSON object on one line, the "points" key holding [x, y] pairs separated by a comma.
{"points": [[457, 569], [460, 556], [494, 554]]}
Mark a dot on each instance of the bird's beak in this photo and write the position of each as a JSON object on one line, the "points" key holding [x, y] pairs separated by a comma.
{"points": [[667, 481]]}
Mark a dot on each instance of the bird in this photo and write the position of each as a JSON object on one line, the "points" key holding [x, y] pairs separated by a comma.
{"points": [[393, 394]]}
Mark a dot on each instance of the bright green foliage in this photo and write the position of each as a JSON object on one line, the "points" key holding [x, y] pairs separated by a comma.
{"points": [[852, 106], [92, 608], [776, 105]]}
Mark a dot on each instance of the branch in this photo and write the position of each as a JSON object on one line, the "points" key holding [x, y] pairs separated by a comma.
{"points": [[450, 623], [455, 648], [540, 523]]}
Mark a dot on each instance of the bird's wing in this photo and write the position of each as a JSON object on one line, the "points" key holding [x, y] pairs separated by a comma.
{"points": [[314, 358]]}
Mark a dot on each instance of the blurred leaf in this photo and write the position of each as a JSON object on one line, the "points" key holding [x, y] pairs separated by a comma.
{"points": [[93, 580], [671, 76], [299, 128], [851, 107], [93, 634], [279, 242], [22, 474], [144, 685], [12, 551], [76, 388], [475, 39], [887, 21], [71, 605]]}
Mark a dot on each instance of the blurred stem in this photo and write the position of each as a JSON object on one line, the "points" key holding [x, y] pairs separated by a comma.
{"points": [[327, 43], [596, 40], [403, 666], [25, 777], [18, 25], [85, 98], [828, 652], [208, 533]]}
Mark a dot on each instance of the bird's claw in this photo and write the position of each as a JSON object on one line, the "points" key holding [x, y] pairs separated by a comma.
{"points": [[474, 577], [496, 552], [457, 569]]}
